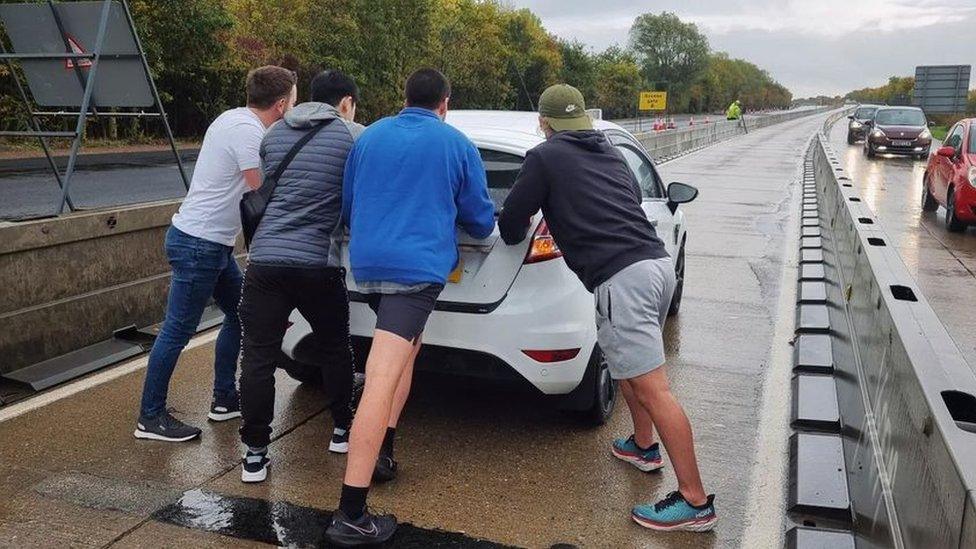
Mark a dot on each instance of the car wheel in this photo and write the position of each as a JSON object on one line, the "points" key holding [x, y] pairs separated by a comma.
{"points": [[850, 138], [929, 203], [593, 400], [604, 393], [868, 150], [299, 371], [679, 287], [952, 222]]}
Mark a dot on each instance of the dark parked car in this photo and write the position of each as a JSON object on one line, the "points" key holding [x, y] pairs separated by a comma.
{"points": [[899, 130], [860, 122]]}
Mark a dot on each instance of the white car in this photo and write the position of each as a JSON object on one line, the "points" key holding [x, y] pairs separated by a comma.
{"points": [[518, 309]]}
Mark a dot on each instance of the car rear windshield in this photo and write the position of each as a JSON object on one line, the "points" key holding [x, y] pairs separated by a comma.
{"points": [[502, 169], [900, 117], [864, 113]]}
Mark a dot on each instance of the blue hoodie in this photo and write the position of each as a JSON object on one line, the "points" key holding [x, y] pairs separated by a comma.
{"points": [[409, 181]]}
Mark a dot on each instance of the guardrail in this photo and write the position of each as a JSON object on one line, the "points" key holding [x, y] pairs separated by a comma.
{"points": [[668, 144], [906, 396]]}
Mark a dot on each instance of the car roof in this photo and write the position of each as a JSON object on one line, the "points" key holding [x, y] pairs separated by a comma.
{"points": [[514, 131], [899, 107]]}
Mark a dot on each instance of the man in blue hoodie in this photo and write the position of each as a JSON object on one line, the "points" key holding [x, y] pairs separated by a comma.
{"points": [[410, 181]]}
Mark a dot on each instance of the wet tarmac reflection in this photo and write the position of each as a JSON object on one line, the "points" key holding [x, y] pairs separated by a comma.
{"points": [[285, 524]]}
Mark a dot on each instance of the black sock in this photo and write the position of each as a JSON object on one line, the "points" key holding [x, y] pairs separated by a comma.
{"points": [[387, 448], [352, 502]]}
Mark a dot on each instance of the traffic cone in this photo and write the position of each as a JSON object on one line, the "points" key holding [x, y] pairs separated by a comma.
{"points": [[691, 122], [706, 119], [671, 125]]}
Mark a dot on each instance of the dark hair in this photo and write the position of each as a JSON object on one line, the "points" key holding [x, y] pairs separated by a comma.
{"points": [[427, 88], [331, 86], [267, 84]]}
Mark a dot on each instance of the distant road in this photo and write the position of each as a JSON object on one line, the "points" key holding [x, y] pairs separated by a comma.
{"points": [[31, 194]]}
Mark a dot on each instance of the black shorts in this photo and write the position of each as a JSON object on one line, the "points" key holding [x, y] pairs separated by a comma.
{"points": [[404, 314]]}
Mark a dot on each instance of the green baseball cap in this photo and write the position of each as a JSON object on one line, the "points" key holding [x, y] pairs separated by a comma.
{"points": [[563, 108]]}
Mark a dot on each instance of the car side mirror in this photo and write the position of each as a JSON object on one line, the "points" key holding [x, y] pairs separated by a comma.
{"points": [[680, 193], [851, 117], [946, 151], [931, 123]]}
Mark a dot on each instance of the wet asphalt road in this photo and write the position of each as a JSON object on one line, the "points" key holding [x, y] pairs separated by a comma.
{"points": [[943, 263], [36, 193], [485, 461]]}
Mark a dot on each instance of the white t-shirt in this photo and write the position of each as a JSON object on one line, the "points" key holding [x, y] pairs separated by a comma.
{"points": [[211, 209]]}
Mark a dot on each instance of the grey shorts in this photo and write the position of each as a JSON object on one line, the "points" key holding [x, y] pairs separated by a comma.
{"points": [[631, 308]]}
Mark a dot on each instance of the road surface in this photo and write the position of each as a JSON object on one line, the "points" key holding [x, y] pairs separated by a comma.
{"points": [[943, 263]]}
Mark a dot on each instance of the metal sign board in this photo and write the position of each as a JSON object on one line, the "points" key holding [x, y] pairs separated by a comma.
{"points": [[942, 89], [653, 101], [122, 82]]}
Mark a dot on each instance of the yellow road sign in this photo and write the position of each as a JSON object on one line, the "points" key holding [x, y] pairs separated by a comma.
{"points": [[653, 101]]}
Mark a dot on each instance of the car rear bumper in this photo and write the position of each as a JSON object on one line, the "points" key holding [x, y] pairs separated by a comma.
{"points": [[547, 308]]}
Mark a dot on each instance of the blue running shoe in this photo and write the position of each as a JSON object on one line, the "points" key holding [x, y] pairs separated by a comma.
{"points": [[675, 513], [645, 460]]}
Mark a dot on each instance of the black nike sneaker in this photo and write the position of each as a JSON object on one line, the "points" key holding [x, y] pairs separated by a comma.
{"points": [[368, 530], [386, 469]]}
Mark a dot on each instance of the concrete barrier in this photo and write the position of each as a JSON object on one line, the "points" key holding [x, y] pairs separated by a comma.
{"points": [[71, 281], [906, 395], [670, 143]]}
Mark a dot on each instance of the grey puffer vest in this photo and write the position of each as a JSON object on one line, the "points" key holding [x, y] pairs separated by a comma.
{"points": [[303, 221]]}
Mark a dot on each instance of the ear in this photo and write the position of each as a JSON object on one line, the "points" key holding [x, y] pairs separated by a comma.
{"points": [[442, 108]]}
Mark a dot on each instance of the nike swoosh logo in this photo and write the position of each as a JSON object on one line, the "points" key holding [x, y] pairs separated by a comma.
{"points": [[363, 531]]}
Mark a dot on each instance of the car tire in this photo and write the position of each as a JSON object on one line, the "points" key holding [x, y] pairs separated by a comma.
{"points": [[679, 287], [952, 222], [594, 399], [869, 151], [929, 203], [307, 374], [850, 138]]}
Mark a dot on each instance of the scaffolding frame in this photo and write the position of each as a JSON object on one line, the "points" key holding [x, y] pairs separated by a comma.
{"points": [[87, 108]]}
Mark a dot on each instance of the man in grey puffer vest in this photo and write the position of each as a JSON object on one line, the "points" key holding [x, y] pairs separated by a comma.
{"points": [[294, 263]]}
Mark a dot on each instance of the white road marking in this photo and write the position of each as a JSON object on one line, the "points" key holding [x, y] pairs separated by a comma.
{"points": [[64, 391]]}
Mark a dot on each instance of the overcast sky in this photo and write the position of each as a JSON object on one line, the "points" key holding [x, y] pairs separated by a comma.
{"points": [[810, 46]]}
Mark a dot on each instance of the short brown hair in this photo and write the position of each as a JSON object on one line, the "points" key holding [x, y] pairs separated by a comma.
{"points": [[267, 84]]}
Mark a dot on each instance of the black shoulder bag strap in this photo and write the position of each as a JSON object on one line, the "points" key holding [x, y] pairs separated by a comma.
{"points": [[254, 203]]}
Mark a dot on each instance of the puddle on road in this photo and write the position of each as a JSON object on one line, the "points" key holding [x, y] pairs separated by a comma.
{"points": [[285, 524]]}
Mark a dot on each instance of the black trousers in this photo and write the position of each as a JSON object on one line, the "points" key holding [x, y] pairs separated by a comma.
{"points": [[269, 295]]}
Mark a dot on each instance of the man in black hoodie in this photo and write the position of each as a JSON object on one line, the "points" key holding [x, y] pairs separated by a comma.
{"points": [[592, 204]]}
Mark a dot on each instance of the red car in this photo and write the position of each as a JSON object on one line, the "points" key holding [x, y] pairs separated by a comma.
{"points": [[950, 177]]}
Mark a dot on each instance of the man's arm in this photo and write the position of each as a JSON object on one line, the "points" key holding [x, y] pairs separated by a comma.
{"points": [[246, 150], [253, 178], [348, 176], [476, 211], [526, 197]]}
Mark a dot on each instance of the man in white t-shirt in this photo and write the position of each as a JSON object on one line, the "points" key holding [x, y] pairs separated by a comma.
{"points": [[200, 248]]}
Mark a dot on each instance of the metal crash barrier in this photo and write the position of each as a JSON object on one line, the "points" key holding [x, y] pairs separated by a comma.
{"points": [[905, 394]]}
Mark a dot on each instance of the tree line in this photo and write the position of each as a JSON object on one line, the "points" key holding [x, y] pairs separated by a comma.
{"points": [[496, 57]]}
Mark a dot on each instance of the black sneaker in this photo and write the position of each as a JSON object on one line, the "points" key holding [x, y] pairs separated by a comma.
{"points": [[254, 467], [369, 529], [340, 441], [386, 469], [165, 427], [225, 407]]}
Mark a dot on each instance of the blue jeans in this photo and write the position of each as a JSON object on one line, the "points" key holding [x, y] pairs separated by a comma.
{"points": [[201, 269]]}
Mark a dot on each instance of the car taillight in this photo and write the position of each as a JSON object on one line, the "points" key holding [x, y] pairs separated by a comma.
{"points": [[543, 247], [559, 355]]}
